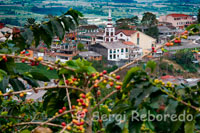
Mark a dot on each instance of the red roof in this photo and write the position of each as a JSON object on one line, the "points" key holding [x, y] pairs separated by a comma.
{"points": [[1, 25], [167, 77], [126, 32], [178, 15], [128, 43], [16, 30]]}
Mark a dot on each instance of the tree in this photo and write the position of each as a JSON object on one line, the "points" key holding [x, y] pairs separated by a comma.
{"points": [[125, 23], [185, 58], [149, 19], [153, 32], [80, 47]]}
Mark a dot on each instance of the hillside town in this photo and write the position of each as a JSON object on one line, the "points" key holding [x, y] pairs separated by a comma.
{"points": [[115, 45], [107, 66]]}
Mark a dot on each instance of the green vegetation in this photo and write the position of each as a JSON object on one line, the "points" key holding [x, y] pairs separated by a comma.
{"points": [[22, 68], [185, 58], [153, 32], [102, 65], [149, 22], [149, 19], [125, 23], [80, 47]]}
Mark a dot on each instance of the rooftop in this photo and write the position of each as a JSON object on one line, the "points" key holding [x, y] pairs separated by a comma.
{"points": [[114, 45], [128, 43], [126, 32], [91, 34], [88, 27], [88, 53], [178, 15]]}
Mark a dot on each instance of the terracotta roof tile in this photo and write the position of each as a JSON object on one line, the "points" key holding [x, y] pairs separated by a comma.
{"points": [[167, 77], [128, 43], [178, 15], [126, 32]]}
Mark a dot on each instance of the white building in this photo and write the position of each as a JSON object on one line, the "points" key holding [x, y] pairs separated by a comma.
{"points": [[117, 51], [124, 35], [109, 34]]}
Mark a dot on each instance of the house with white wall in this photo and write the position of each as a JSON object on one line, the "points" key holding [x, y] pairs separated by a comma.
{"points": [[124, 35], [136, 37], [178, 20]]}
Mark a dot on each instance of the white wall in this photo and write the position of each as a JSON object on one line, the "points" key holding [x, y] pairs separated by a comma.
{"points": [[124, 37], [118, 54], [145, 41], [61, 59]]}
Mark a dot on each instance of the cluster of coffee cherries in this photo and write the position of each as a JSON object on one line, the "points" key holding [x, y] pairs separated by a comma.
{"points": [[34, 62], [4, 58], [78, 116], [72, 81], [168, 44], [153, 50], [25, 53], [184, 35], [177, 40], [111, 80]]}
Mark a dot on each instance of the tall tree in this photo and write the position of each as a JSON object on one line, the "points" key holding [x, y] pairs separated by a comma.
{"points": [[149, 19], [153, 32], [124, 23]]}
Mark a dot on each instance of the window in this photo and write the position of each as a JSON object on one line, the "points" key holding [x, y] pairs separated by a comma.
{"points": [[117, 56], [122, 50], [114, 56], [115, 38], [111, 33], [118, 50], [110, 50], [107, 40], [111, 39], [107, 33], [114, 51], [121, 35], [126, 49], [138, 41], [110, 56]]}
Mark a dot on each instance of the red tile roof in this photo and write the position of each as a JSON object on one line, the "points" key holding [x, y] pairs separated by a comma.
{"points": [[1, 25], [128, 43], [177, 15], [126, 32], [167, 77]]}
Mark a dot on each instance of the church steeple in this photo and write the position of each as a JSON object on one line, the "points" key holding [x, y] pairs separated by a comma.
{"points": [[109, 35], [109, 15]]}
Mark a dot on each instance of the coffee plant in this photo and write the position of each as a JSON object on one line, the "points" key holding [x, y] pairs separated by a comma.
{"points": [[84, 100]]}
